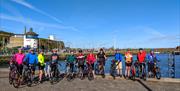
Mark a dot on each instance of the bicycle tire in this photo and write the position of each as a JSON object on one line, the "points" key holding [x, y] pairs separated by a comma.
{"points": [[10, 78], [158, 73], [16, 80]]}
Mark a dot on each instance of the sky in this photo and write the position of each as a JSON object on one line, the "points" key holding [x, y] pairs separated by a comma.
{"points": [[97, 23]]}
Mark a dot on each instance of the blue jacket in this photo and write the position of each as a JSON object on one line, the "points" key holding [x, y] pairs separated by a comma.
{"points": [[152, 58], [118, 57], [31, 58]]}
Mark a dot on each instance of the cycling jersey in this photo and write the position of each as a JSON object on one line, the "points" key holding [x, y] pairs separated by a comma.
{"points": [[91, 58], [19, 57], [41, 59], [128, 57], [141, 57], [31, 58], [54, 58], [101, 55], [81, 58], [152, 58], [71, 58], [118, 57]]}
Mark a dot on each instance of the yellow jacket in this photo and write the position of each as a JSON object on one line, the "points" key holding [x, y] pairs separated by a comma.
{"points": [[41, 59]]}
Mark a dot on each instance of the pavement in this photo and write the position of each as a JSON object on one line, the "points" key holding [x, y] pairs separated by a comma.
{"points": [[99, 84]]}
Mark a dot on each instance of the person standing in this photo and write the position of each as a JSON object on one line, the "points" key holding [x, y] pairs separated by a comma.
{"points": [[118, 59], [70, 61], [91, 60], [41, 65], [31, 59], [128, 62], [152, 59], [141, 57], [18, 58], [101, 57]]}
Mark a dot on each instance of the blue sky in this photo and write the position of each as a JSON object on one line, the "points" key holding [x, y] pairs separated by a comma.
{"points": [[97, 23]]}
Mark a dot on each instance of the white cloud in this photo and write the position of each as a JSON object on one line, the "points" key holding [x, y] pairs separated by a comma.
{"points": [[24, 3], [150, 31], [36, 23]]}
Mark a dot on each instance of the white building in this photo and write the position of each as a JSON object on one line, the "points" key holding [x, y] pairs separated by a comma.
{"points": [[51, 37], [31, 39]]}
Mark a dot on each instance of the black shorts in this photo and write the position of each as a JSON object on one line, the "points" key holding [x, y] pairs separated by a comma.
{"points": [[128, 64], [102, 61], [41, 67]]}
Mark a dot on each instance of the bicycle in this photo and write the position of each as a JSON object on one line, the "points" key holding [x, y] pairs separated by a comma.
{"points": [[156, 71], [133, 72], [81, 73], [70, 74], [54, 73], [99, 69], [28, 75], [11, 67], [136, 66], [14, 76], [90, 72], [113, 69], [142, 70]]}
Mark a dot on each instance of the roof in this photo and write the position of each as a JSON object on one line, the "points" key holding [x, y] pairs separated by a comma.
{"points": [[31, 33], [5, 33]]}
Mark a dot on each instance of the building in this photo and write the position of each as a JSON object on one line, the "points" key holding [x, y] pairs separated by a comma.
{"points": [[16, 40], [31, 39], [28, 40], [51, 37], [4, 39]]}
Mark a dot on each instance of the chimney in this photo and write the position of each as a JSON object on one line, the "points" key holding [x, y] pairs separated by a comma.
{"points": [[25, 30]]}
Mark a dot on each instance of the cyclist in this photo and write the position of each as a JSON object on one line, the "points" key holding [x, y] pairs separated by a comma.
{"points": [[81, 60], [128, 62], [31, 59], [70, 61], [54, 60], [18, 58], [101, 59], [41, 65], [141, 56], [91, 60], [118, 59], [151, 61]]}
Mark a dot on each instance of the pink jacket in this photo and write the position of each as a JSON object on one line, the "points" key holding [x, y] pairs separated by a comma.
{"points": [[19, 58]]}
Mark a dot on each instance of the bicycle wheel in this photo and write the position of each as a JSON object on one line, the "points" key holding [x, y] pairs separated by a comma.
{"points": [[52, 77], [158, 73], [133, 74], [144, 75], [57, 75], [80, 75], [16, 80], [29, 78], [10, 77], [90, 76], [70, 77]]}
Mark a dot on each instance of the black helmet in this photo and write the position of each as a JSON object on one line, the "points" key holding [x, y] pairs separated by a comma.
{"points": [[140, 48], [80, 51]]}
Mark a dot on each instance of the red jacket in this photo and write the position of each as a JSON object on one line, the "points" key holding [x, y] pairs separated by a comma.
{"points": [[141, 57], [91, 58]]}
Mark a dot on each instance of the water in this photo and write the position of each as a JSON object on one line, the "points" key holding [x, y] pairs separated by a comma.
{"points": [[163, 65]]}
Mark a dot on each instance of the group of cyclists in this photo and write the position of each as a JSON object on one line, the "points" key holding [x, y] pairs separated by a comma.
{"points": [[84, 61], [136, 67]]}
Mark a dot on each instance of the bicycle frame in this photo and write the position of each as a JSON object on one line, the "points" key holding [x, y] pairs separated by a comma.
{"points": [[143, 70]]}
